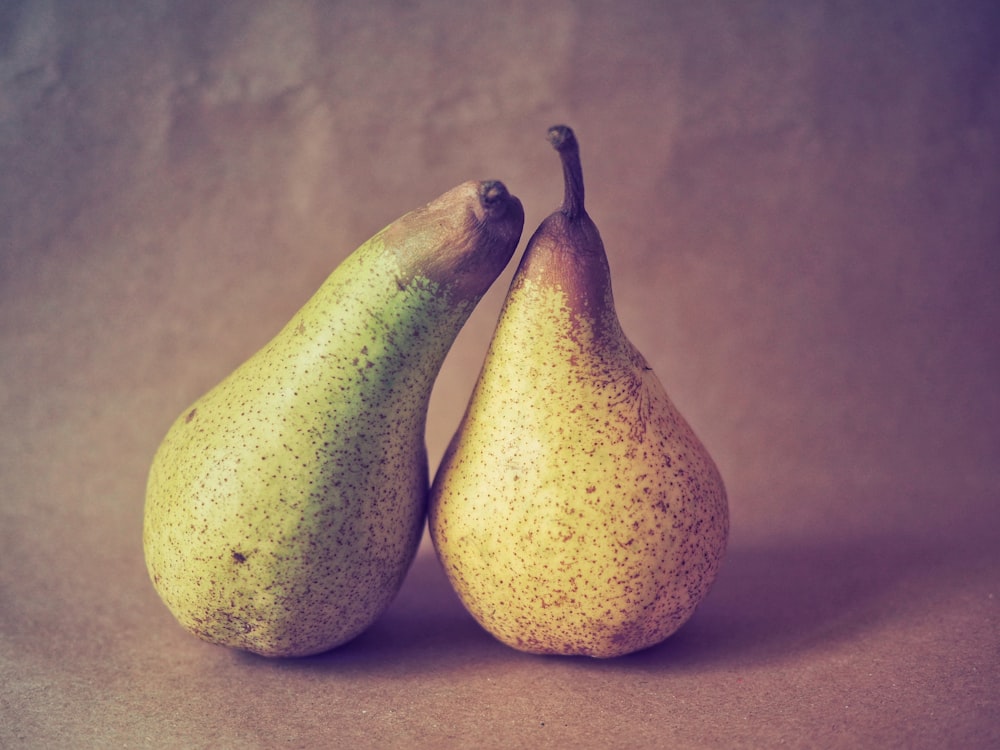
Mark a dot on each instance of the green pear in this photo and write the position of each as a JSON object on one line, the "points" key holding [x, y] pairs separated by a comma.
{"points": [[574, 511], [284, 507]]}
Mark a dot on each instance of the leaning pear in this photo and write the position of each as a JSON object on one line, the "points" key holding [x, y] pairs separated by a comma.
{"points": [[574, 511], [285, 506]]}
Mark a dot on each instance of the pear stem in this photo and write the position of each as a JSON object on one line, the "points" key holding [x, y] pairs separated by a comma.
{"points": [[564, 141], [491, 193]]}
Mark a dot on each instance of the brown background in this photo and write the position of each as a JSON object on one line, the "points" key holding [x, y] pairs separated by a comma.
{"points": [[801, 203]]}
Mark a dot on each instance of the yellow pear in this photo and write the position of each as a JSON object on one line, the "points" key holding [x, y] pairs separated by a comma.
{"points": [[285, 506], [574, 511]]}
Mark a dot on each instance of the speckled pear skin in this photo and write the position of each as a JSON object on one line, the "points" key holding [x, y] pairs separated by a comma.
{"points": [[575, 511], [285, 506]]}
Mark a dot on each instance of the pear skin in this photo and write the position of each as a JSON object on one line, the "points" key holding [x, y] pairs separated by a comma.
{"points": [[575, 511], [284, 507]]}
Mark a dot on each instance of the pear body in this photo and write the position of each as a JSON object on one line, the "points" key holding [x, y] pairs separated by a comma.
{"points": [[575, 510], [284, 507]]}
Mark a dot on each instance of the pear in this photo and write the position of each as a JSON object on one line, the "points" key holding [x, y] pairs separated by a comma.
{"points": [[284, 507], [575, 511]]}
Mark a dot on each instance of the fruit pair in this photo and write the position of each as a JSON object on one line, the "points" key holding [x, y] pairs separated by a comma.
{"points": [[574, 512]]}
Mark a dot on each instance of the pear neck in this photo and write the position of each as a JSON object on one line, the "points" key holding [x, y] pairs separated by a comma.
{"points": [[567, 251]]}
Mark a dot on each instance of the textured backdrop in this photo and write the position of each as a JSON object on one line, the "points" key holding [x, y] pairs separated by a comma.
{"points": [[800, 205]]}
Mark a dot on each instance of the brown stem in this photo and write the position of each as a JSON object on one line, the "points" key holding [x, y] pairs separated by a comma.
{"points": [[492, 191], [564, 141]]}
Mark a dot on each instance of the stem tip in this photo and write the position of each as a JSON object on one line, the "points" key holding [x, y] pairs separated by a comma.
{"points": [[492, 192], [561, 137]]}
